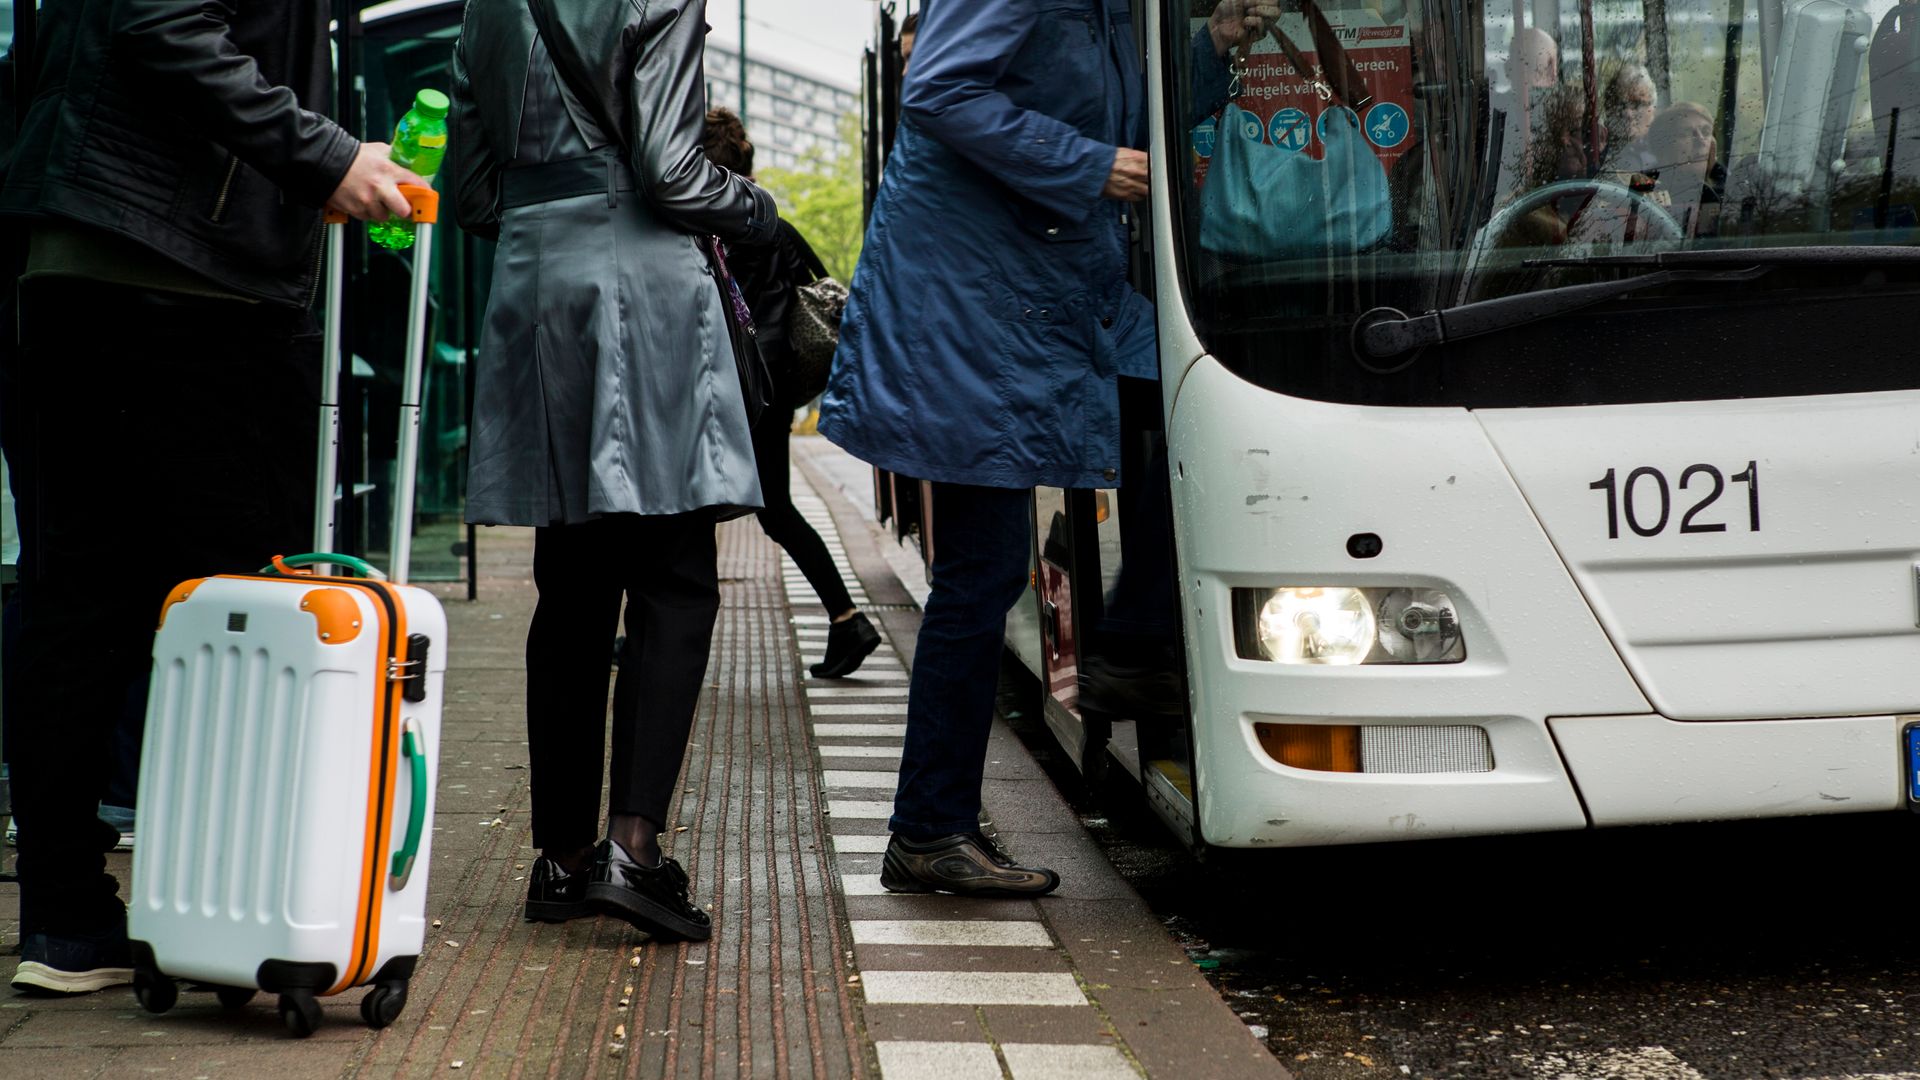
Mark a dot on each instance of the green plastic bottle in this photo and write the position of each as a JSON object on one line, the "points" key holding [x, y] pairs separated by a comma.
{"points": [[419, 142]]}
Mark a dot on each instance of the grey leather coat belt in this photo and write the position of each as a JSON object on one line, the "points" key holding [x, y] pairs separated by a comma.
{"points": [[592, 174]]}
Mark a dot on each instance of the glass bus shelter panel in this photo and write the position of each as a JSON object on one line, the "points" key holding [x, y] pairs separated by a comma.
{"points": [[397, 64], [1504, 158]]}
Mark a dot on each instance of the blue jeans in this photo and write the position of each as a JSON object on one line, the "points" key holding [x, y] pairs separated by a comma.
{"points": [[982, 548]]}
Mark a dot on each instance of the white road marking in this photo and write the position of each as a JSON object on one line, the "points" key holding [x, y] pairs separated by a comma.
{"points": [[864, 708], [860, 778], [983, 932], [860, 843], [834, 750], [971, 988], [1044, 1061], [858, 731], [862, 885], [937, 1061], [859, 808], [831, 691]]}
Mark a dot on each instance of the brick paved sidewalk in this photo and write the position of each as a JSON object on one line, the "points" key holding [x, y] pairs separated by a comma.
{"points": [[776, 993]]}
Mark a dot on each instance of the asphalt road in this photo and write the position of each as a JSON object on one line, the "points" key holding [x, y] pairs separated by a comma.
{"points": [[1726, 951]]}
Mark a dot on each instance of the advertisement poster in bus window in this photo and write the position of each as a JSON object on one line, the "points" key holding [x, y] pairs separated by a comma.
{"points": [[1288, 105]]}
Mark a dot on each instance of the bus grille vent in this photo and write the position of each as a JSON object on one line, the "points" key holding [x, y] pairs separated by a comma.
{"points": [[1425, 748]]}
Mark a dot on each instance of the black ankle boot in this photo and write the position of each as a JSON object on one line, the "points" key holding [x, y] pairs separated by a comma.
{"points": [[553, 895], [848, 644]]}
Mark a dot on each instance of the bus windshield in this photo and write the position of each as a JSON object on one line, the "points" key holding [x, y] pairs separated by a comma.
{"points": [[1345, 162]]}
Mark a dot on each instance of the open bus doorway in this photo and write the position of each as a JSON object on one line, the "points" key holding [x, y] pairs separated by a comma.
{"points": [[1094, 552]]}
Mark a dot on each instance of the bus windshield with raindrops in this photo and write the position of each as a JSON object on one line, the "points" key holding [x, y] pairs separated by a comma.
{"points": [[1339, 163]]}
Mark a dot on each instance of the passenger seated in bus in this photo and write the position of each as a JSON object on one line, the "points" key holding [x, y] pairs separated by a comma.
{"points": [[1533, 69], [1627, 106], [1685, 159]]}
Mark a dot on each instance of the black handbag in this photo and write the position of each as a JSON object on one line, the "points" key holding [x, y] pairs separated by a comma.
{"points": [[756, 385]]}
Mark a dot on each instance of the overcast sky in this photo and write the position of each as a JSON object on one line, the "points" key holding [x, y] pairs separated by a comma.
{"points": [[821, 37]]}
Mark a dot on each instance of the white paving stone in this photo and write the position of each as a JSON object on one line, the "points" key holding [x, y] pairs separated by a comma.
{"points": [[1047, 1061], [860, 843], [862, 885], [860, 778], [864, 708], [971, 987], [860, 731], [860, 808], [983, 932], [937, 1061]]}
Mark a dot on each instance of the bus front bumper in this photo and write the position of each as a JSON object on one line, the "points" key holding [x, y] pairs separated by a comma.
{"points": [[1571, 773]]}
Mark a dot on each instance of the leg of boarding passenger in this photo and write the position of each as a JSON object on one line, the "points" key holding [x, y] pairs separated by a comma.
{"points": [[578, 607], [981, 558], [673, 597]]}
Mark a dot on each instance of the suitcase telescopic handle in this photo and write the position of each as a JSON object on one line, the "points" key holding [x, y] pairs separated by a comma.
{"points": [[291, 563], [416, 753]]}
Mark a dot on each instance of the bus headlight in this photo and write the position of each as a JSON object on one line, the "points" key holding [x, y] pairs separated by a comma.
{"points": [[1317, 626], [1340, 626]]}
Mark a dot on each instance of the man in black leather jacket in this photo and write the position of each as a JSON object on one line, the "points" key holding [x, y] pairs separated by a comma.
{"points": [[160, 211]]}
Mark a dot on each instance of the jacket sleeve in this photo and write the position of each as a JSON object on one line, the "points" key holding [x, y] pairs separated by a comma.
{"points": [[958, 57], [473, 175], [668, 115], [184, 53]]}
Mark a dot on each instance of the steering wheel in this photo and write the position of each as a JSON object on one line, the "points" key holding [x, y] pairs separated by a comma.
{"points": [[1587, 226]]}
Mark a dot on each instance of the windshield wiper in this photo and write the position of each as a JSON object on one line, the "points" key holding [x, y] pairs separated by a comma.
{"points": [[1384, 332], [1817, 255]]}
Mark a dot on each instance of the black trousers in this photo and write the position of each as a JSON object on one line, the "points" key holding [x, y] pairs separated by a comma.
{"points": [[666, 569], [158, 437], [784, 524]]}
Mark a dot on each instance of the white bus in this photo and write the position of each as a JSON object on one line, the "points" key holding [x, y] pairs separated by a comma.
{"points": [[1574, 480]]}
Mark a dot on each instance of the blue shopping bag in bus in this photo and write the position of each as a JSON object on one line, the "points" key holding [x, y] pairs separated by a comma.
{"points": [[1265, 202]]}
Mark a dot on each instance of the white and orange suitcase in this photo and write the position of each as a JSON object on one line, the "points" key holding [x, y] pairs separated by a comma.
{"points": [[285, 809]]}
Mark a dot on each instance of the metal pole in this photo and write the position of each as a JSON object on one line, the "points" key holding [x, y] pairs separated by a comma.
{"points": [[401, 546], [743, 61], [324, 504]]}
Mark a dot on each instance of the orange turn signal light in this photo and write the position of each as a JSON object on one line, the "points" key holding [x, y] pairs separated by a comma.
{"points": [[1318, 747]]}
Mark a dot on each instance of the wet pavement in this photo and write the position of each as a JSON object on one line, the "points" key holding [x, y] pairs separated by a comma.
{"points": [[1726, 952]]}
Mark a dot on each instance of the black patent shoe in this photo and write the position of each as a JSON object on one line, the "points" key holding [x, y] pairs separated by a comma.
{"points": [[966, 864], [652, 898], [553, 895], [849, 643]]}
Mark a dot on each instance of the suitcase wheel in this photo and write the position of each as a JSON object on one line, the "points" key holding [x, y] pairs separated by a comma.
{"points": [[155, 992], [233, 997], [383, 1003], [300, 1012]]}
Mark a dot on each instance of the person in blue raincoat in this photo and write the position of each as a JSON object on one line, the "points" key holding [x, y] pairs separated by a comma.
{"points": [[989, 320]]}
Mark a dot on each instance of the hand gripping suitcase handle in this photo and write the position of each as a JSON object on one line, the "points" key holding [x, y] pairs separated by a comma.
{"points": [[416, 752], [425, 202]]}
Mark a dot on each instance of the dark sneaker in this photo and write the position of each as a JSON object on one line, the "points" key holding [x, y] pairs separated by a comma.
{"points": [[553, 895], [849, 643], [966, 864], [652, 898], [1130, 692], [77, 964]]}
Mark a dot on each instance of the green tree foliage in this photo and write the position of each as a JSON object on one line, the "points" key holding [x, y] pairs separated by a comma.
{"points": [[822, 199]]}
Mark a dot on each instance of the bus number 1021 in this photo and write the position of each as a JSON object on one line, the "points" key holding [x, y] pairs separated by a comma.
{"points": [[1648, 500]]}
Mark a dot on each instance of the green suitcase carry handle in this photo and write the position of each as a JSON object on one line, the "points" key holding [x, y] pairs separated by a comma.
{"points": [[293, 562], [416, 753]]}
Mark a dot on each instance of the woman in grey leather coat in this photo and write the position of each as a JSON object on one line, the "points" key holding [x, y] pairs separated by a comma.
{"points": [[607, 412]]}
